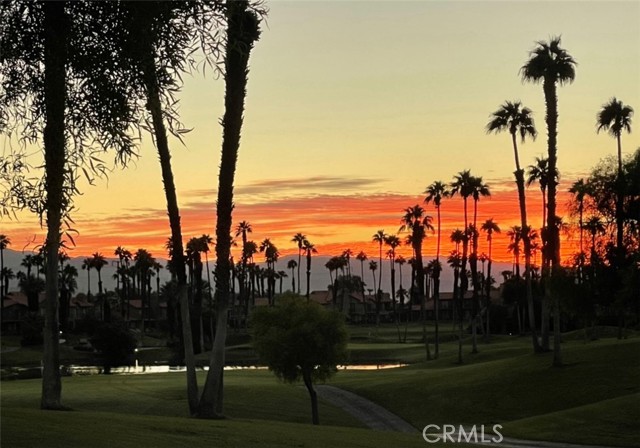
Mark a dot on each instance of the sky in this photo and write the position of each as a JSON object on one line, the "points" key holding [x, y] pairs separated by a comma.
{"points": [[354, 107]]}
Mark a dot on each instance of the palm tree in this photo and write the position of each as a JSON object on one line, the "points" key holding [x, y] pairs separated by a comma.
{"points": [[579, 189], [416, 222], [538, 172], [552, 65], [281, 276], [490, 227], [462, 184], [393, 242], [594, 226], [373, 266], [308, 250], [436, 192], [242, 229], [4, 243], [518, 120], [515, 236], [271, 256], [68, 284], [98, 262], [362, 257], [299, 239], [292, 264], [347, 254], [379, 238], [454, 260], [7, 275], [478, 189], [86, 264], [615, 117]]}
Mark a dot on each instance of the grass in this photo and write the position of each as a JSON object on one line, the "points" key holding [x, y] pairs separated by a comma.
{"points": [[505, 383], [108, 430], [593, 399], [248, 394]]}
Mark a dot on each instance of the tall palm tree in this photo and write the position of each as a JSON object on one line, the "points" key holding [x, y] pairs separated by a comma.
{"points": [[309, 249], [538, 172], [393, 242], [379, 238], [243, 30], [373, 266], [550, 64], [436, 192], [594, 226], [292, 264], [490, 227], [7, 275], [515, 237], [4, 243], [243, 229], [462, 185], [518, 120], [86, 264], [271, 255], [299, 239], [615, 118], [362, 257], [478, 190], [98, 262], [579, 189], [416, 222]]}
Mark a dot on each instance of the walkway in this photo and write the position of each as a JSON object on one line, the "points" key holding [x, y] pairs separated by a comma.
{"points": [[378, 418]]}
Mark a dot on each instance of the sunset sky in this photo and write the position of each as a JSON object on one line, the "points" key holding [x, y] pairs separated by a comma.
{"points": [[354, 107]]}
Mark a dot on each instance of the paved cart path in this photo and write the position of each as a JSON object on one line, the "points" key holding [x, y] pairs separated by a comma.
{"points": [[378, 418]]}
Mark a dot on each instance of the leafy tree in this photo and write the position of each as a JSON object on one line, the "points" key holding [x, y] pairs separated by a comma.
{"points": [[53, 87], [300, 341], [116, 345]]}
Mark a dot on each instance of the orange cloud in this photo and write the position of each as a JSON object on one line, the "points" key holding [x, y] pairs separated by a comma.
{"points": [[333, 222]]}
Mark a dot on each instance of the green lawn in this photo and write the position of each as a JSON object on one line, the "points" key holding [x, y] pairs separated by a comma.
{"points": [[594, 399], [30, 428], [506, 383]]}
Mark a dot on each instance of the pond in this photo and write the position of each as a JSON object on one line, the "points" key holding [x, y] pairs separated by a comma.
{"points": [[14, 373]]}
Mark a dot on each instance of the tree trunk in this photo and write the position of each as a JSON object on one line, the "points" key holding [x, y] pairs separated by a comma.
{"points": [[55, 43], [242, 32], [314, 397], [177, 256], [551, 100]]}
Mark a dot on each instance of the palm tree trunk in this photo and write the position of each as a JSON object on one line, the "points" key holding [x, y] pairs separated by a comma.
{"points": [[242, 32], [173, 211], [551, 100], [519, 173], [55, 37]]}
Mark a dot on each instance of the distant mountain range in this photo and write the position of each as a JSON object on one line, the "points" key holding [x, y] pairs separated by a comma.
{"points": [[319, 274]]}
